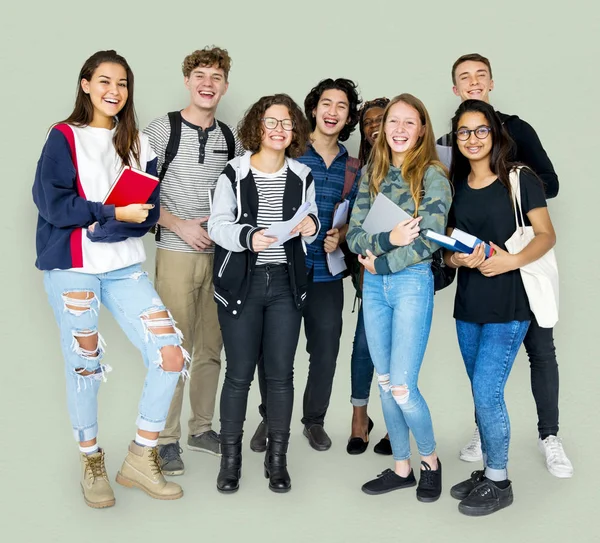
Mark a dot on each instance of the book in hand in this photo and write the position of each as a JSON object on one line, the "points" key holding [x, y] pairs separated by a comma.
{"points": [[131, 187], [383, 216], [459, 241]]}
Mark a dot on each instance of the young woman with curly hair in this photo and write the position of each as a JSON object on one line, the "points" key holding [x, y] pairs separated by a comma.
{"points": [[261, 286]]}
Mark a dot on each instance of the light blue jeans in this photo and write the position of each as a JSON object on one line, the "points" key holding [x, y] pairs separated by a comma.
{"points": [[489, 351], [129, 295], [398, 309]]}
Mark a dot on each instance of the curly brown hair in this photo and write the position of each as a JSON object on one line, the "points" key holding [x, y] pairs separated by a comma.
{"points": [[211, 55], [250, 128]]}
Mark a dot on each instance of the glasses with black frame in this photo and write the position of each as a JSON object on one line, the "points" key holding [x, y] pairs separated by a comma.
{"points": [[481, 132], [271, 123]]}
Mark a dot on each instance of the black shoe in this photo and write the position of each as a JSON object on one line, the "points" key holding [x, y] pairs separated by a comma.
{"points": [[258, 443], [461, 490], [356, 445], [230, 473], [383, 447], [170, 459], [430, 483], [485, 499], [388, 481], [317, 437], [276, 463]]}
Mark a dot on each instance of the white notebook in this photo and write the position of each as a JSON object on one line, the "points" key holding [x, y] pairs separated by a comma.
{"points": [[383, 216]]}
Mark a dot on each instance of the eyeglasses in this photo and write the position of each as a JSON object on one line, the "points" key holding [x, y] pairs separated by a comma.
{"points": [[481, 132], [271, 123]]}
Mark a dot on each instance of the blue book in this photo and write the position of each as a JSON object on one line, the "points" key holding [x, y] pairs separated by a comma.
{"points": [[459, 241]]}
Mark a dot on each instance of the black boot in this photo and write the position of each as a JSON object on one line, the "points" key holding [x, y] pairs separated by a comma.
{"points": [[276, 463], [230, 473]]}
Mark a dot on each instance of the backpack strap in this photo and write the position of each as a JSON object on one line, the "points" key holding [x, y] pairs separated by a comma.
{"points": [[229, 139], [352, 167], [173, 143]]}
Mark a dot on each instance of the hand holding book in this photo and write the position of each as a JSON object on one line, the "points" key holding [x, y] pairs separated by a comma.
{"points": [[135, 213]]}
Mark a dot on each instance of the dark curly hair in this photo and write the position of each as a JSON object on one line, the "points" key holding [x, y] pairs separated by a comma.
{"points": [[250, 128], [365, 148], [344, 85]]}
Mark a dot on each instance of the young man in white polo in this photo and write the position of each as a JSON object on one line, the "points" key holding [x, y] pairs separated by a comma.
{"points": [[193, 148]]}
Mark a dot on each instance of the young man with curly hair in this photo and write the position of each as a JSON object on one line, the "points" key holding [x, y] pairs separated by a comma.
{"points": [[192, 147], [332, 110]]}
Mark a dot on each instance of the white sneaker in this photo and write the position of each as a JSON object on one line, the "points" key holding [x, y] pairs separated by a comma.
{"points": [[556, 460], [472, 451]]}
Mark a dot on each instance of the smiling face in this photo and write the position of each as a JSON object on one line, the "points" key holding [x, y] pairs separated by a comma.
{"points": [[331, 113], [276, 139], [402, 128], [108, 92], [473, 81], [207, 85], [474, 148], [372, 124]]}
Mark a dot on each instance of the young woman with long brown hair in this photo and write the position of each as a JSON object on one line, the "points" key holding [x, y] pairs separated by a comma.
{"points": [[91, 254], [398, 284]]}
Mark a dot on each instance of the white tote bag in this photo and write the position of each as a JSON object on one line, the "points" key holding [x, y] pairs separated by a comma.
{"points": [[540, 278]]}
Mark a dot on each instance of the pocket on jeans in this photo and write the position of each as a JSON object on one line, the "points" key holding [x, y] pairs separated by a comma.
{"points": [[422, 268]]}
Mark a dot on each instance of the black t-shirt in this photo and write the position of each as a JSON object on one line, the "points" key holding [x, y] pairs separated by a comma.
{"points": [[488, 214]]}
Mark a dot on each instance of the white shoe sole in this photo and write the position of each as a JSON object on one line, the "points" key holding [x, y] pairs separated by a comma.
{"points": [[560, 473], [470, 457], [200, 449]]}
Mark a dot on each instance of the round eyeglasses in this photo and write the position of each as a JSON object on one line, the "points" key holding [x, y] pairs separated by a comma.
{"points": [[271, 123], [481, 132]]}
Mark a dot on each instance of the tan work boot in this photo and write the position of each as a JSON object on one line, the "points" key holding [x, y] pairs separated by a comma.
{"points": [[141, 468], [97, 492]]}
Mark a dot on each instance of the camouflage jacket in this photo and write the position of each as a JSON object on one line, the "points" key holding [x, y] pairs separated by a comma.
{"points": [[434, 208]]}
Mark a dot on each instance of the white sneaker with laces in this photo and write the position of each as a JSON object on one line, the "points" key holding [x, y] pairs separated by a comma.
{"points": [[556, 460], [472, 451]]}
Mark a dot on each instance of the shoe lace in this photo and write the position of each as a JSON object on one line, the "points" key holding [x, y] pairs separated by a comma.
{"points": [[554, 450], [483, 489], [475, 442], [170, 451], [96, 466], [154, 461], [385, 473]]}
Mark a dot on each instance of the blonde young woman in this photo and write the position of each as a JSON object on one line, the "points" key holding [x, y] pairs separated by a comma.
{"points": [[398, 285]]}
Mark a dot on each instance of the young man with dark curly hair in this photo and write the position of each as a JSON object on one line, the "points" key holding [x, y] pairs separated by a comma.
{"points": [[192, 147], [332, 110]]}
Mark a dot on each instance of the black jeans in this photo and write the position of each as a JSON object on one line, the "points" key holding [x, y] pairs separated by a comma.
{"points": [[323, 328], [539, 344], [269, 324]]}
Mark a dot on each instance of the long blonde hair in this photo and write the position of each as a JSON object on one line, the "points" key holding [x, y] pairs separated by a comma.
{"points": [[417, 160]]}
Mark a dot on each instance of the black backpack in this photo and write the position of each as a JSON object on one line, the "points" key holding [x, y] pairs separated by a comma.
{"points": [[175, 121]]}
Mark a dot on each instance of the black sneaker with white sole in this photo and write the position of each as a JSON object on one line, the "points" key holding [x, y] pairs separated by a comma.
{"points": [[170, 459]]}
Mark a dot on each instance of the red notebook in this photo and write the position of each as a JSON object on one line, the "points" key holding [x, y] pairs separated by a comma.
{"points": [[131, 187]]}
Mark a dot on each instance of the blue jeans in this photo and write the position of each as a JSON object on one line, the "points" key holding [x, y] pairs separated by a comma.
{"points": [[128, 294], [489, 351], [361, 365], [398, 310]]}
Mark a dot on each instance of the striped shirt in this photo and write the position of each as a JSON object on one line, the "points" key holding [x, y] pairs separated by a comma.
{"points": [[329, 186], [201, 158], [270, 188]]}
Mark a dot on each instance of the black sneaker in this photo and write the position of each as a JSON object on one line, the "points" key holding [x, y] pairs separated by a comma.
{"points": [[388, 481], [430, 483], [170, 459], [485, 499], [461, 490], [383, 447]]}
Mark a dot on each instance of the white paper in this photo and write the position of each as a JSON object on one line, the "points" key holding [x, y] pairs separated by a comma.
{"points": [[383, 216], [281, 230], [340, 217], [335, 260]]}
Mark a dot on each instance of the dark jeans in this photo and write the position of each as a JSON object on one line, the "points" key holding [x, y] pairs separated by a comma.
{"points": [[539, 344], [323, 328], [361, 365], [269, 325]]}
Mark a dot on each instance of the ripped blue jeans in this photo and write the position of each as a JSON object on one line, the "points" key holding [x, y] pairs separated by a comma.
{"points": [[398, 309], [129, 295]]}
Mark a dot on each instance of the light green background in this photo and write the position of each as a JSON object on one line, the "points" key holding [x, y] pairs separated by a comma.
{"points": [[545, 65]]}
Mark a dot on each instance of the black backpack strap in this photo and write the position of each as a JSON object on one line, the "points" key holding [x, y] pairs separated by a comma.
{"points": [[229, 139], [173, 143]]}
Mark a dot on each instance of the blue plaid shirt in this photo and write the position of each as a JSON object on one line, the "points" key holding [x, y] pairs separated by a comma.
{"points": [[329, 185]]}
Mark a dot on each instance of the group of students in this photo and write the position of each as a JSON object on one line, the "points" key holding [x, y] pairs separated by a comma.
{"points": [[225, 283]]}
